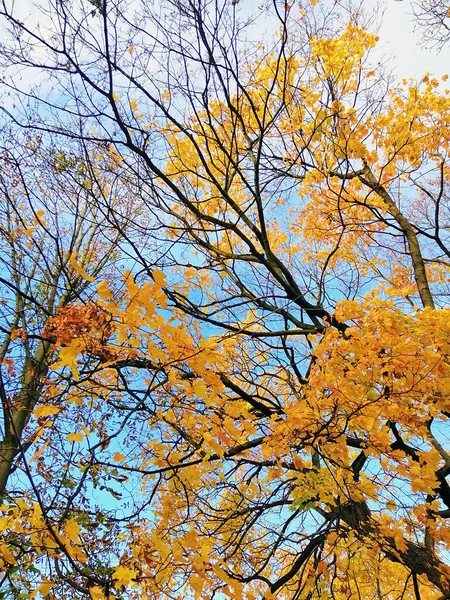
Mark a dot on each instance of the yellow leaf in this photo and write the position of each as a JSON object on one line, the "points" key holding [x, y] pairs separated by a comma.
{"points": [[103, 291], [43, 589], [391, 505], [123, 576], [75, 437], [200, 389], [162, 548], [196, 584], [400, 542], [72, 530], [118, 456], [6, 555], [68, 356], [332, 537], [45, 411], [423, 480], [40, 450], [159, 277], [96, 593], [78, 268]]}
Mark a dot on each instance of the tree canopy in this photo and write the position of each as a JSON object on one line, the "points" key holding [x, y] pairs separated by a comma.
{"points": [[225, 322]]}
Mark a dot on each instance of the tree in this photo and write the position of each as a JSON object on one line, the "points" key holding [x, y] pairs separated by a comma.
{"points": [[258, 406], [50, 231]]}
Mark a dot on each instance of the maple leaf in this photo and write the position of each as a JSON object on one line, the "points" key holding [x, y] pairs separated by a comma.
{"points": [[122, 576]]}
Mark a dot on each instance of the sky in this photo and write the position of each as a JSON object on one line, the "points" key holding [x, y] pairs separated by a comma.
{"points": [[399, 37]]}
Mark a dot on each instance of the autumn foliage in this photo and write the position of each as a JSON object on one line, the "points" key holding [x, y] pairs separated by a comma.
{"points": [[226, 327]]}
